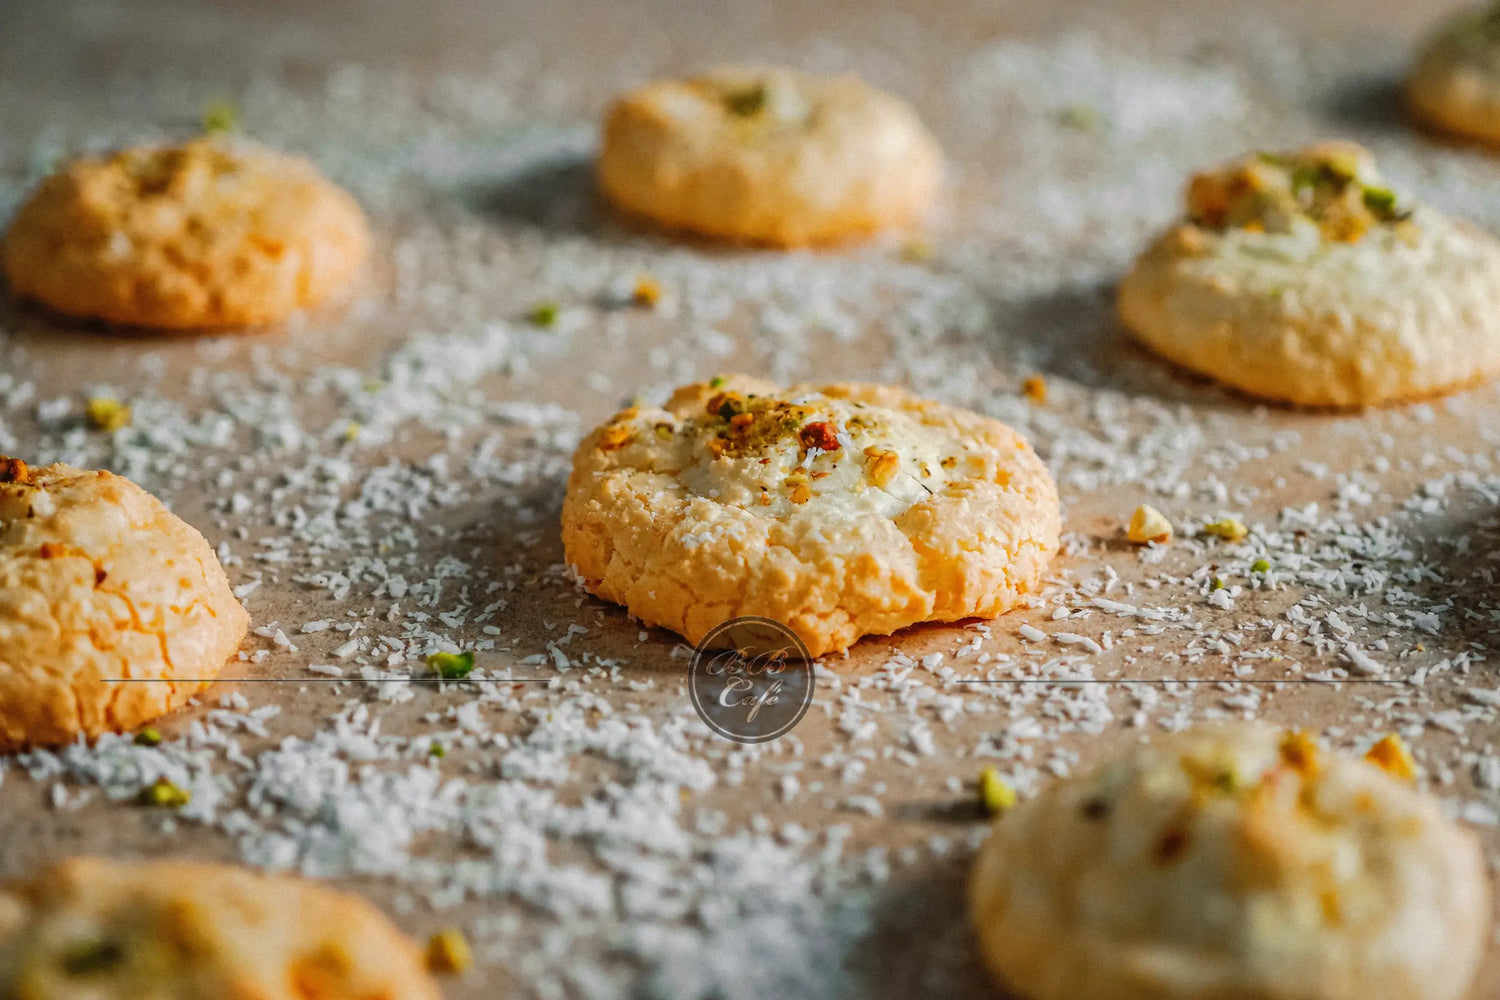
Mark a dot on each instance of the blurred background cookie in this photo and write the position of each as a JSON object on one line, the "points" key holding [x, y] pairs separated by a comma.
{"points": [[839, 510], [771, 156], [1236, 862], [1302, 277], [210, 233], [180, 930], [1454, 84], [99, 580]]}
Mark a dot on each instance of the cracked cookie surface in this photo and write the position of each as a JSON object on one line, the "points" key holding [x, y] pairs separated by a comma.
{"points": [[1237, 862], [840, 510], [210, 233], [99, 580], [179, 930], [769, 156], [1301, 277]]}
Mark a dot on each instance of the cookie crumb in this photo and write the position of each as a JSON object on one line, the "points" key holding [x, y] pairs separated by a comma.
{"points": [[448, 952], [1227, 528], [1147, 525], [1391, 756]]}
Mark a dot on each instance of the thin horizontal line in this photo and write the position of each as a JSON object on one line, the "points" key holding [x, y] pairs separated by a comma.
{"points": [[325, 680], [1177, 680]]}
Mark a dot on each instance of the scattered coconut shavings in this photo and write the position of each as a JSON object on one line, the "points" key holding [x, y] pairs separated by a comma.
{"points": [[388, 490]]}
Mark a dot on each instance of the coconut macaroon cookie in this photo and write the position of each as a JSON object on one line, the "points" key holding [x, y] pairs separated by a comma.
{"points": [[1301, 277], [89, 929], [1237, 863], [769, 156], [839, 510], [209, 233], [98, 580], [1454, 85]]}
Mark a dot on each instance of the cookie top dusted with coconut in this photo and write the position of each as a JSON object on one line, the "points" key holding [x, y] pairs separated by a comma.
{"points": [[1236, 861], [1303, 277], [1332, 187], [840, 509]]}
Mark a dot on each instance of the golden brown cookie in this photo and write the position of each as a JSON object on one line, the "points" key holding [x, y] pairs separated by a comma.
{"points": [[98, 580], [1237, 863], [1454, 85], [209, 233], [770, 156], [840, 510], [90, 929], [1301, 277]]}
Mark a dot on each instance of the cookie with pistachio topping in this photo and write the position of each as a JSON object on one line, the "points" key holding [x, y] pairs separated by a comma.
{"points": [[208, 233], [99, 581], [1454, 84], [1237, 861], [1303, 277], [840, 510], [768, 156], [180, 930]]}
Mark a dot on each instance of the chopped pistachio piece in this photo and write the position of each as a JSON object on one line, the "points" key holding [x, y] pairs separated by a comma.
{"points": [[89, 956], [995, 796], [148, 737], [108, 414], [746, 101], [1148, 524], [452, 666], [1080, 118], [219, 117], [716, 382], [436, 750], [448, 952], [1227, 528], [544, 313], [163, 794], [1260, 566], [917, 251]]}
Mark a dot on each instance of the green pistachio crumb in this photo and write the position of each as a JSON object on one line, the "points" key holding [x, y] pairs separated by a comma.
{"points": [[1381, 201], [748, 101], [544, 313], [148, 737], [1080, 118], [1260, 566], [219, 117], [90, 955], [995, 796], [452, 666], [162, 794], [436, 750], [716, 381]]}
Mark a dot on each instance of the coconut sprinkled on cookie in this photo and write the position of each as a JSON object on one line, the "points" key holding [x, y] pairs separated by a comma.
{"points": [[1233, 862], [1302, 277], [839, 510]]}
